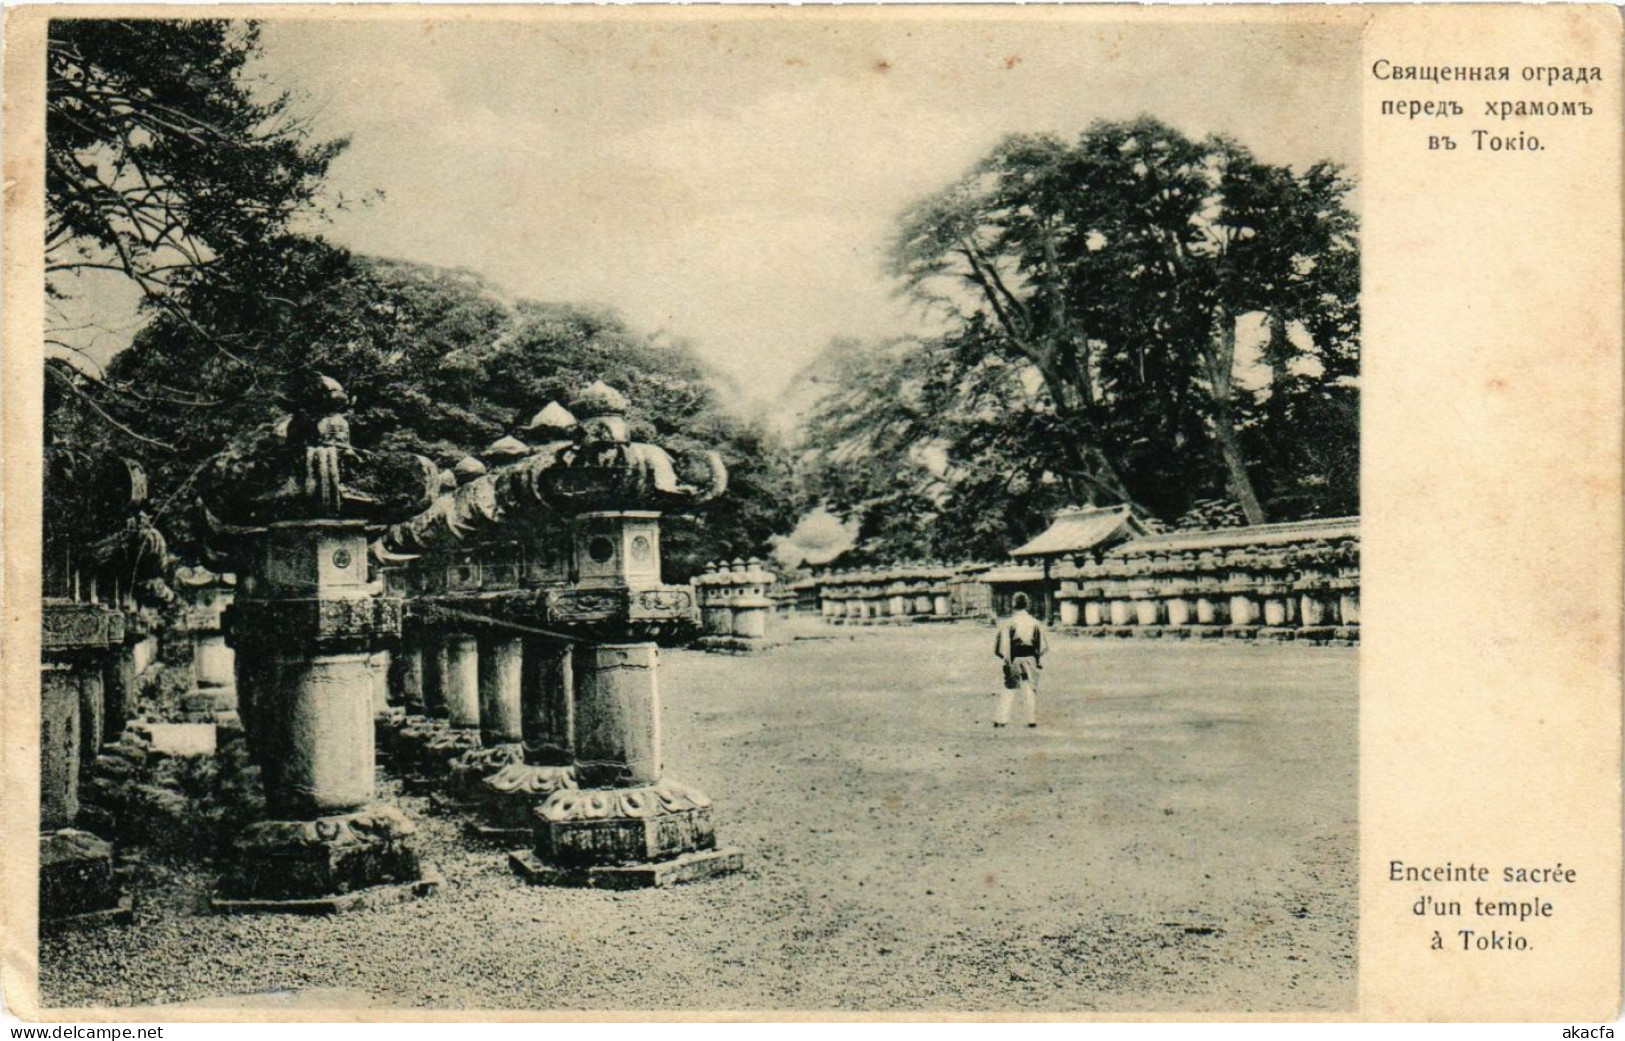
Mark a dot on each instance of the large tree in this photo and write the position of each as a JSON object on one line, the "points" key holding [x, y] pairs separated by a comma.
{"points": [[933, 447], [1121, 269], [164, 164], [171, 169], [870, 442], [168, 171]]}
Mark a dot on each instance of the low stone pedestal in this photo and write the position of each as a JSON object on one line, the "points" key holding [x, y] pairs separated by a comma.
{"points": [[733, 644], [651, 835], [690, 867], [410, 741], [509, 798], [327, 864], [469, 770], [434, 757], [630, 818], [77, 885], [501, 721]]}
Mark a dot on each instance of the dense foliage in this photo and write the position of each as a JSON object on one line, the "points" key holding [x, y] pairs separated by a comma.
{"points": [[170, 168], [437, 362], [1135, 317], [167, 171], [165, 166]]}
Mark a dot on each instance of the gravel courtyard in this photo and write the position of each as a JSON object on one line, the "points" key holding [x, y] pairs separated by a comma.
{"points": [[1178, 834]]}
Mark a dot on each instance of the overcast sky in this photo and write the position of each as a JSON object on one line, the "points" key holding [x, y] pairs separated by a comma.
{"points": [[735, 182]]}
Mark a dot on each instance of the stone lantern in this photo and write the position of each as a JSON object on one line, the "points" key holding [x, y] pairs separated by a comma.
{"points": [[485, 619], [76, 879], [752, 606], [207, 594], [627, 825], [300, 506], [711, 587]]}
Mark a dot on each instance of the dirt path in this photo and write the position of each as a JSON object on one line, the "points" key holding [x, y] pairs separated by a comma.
{"points": [[1179, 833]]}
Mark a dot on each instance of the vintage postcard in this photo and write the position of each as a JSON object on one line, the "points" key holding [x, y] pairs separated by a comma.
{"points": [[783, 512]]}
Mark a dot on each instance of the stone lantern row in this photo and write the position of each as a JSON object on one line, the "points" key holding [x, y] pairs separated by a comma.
{"points": [[735, 600], [475, 710], [482, 717], [1308, 590], [525, 690], [495, 625], [95, 642], [887, 595], [515, 656]]}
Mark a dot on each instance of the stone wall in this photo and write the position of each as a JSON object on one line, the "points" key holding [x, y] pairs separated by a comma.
{"points": [[1298, 580], [1274, 581], [888, 596]]}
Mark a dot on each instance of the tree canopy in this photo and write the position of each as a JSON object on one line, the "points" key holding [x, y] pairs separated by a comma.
{"points": [[167, 170], [1131, 317], [439, 362], [172, 168], [165, 164]]}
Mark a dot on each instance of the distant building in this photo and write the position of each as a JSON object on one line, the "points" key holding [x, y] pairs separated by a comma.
{"points": [[1087, 532]]}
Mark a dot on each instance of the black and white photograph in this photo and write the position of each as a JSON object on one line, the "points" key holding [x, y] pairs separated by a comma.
{"points": [[772, 510]]}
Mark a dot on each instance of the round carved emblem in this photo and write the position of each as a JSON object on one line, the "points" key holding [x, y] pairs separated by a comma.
{"points": [[640, 548], [341, 558]]}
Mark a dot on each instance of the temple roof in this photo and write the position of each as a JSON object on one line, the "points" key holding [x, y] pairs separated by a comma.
{"points": [[1252, 535], [1082, 530]]}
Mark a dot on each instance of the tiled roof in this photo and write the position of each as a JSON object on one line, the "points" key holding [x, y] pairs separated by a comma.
{"points": [[1078, 531], [1254, 535]]}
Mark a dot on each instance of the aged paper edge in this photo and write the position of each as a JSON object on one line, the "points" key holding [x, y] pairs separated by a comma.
{"points": [[1596, 616]]}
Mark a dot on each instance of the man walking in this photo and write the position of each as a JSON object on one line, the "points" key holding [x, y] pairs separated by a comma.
{"points": [[1020, 646]]}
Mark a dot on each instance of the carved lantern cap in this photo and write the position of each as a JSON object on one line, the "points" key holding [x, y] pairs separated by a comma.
{"points": [[599, 399], [553, 417], [468, 468], [505, 449], [304, 468], [313, 394]]}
